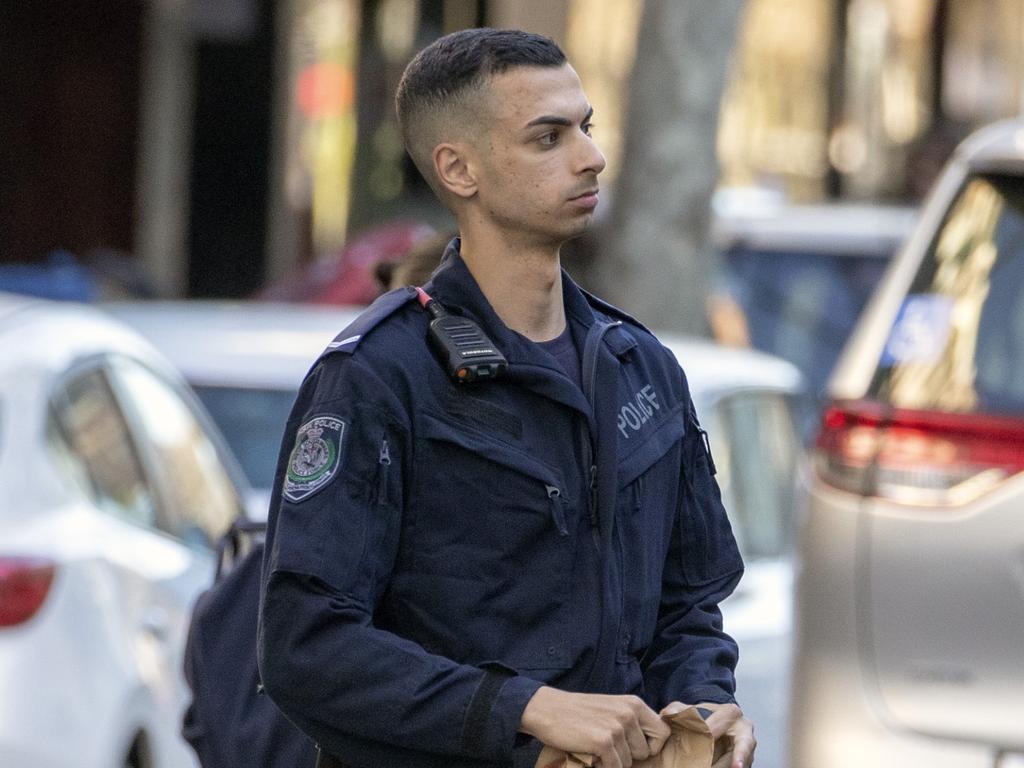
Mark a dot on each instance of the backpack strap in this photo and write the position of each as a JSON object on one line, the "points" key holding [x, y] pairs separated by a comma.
{"points": [[230, 545]]}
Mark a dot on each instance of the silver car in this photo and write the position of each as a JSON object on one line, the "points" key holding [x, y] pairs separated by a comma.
{"points": [[910, 591]]}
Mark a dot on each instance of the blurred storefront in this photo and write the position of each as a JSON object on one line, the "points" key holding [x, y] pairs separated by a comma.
{"points": [[863, 98], [135, 136], [856, 99], [68, 126], [231, 141], [342, 165]]}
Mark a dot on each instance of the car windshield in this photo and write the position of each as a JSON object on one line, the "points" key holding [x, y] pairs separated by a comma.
{"points": [[801, 306], [252, 421], [957, 344]]}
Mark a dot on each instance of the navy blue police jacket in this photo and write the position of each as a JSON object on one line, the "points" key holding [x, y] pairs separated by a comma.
{"points": [[436, 552]]}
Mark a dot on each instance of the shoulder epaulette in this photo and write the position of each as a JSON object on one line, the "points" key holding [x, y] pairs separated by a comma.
{"points": [[610, 309], [386, 305]]}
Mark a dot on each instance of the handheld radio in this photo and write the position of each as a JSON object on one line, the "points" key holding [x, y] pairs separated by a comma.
{"points": [[467, 353]]}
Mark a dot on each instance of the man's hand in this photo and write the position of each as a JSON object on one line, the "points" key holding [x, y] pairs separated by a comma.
{"points": [[730, 727], [616, 729]]}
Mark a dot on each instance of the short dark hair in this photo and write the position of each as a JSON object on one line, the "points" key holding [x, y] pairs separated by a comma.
{"points": [[452, 65]]}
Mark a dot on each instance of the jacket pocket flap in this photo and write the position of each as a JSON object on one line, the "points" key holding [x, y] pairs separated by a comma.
{"points": [[489, 448], [667, 434]]}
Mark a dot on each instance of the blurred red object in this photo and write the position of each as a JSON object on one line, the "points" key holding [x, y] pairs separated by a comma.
{"points": [[325, 89], [348, 277]]}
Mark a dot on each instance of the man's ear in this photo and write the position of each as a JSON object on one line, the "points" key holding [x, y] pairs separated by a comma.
{"points": [[454, 170]]}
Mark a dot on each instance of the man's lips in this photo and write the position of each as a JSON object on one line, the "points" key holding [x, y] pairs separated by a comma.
{"points": [[586, 200]]}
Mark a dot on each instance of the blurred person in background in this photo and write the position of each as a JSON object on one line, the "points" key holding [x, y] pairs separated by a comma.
{"points": [[416, 267], [458, 575]]}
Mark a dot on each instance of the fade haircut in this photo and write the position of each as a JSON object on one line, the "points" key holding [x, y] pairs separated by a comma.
{"points": [[440, 90]]}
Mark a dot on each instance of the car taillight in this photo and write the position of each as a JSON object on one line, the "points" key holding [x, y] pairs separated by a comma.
{"points": [[24, 584], [923, 458]]}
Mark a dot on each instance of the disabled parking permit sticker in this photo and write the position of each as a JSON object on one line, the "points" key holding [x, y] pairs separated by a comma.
{"points": [[921, 330], [315, 457]]}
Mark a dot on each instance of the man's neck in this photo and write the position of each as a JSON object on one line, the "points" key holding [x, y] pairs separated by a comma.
{"points": [[522, 284]]}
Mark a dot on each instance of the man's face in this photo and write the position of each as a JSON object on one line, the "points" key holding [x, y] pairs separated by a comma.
{"points": [[537, 164]]}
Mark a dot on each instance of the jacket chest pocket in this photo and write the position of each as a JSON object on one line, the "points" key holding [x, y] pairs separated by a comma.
{"points": [[649, 484], [492, 531]]}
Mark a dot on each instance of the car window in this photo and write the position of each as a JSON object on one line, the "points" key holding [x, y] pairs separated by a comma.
{"points": [[957, 343], [755, 448], [89, 436], [202, 498], [801, 306], [252, 421]]}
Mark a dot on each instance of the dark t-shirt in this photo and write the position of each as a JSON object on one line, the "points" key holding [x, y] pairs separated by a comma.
{"points": [[563, 349]]}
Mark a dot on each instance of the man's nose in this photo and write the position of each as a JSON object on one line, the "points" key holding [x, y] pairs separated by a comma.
{"points": [[592, 160]]}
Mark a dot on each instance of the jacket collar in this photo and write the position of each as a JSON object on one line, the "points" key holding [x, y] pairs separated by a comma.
{"points": [[455, 287]]}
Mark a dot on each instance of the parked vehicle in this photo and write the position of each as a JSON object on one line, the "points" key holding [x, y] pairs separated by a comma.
{"points": [[911, 582], [246, 361], [794, 278], [113, 486], [746, 401]]}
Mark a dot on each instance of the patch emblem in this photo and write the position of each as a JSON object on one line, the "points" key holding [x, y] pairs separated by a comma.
{"points": [[314, 459]]}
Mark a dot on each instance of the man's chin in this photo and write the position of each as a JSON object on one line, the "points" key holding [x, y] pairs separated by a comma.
{"points": [[580, 227], [569, 230]]}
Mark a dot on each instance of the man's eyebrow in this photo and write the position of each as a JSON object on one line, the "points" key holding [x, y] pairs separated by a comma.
{"points": [[558, 120]]}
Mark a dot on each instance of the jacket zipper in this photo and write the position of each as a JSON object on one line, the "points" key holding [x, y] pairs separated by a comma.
{"points": [[592, 495], [557, 509], [707, 443], [385, 461], [589, 386]]}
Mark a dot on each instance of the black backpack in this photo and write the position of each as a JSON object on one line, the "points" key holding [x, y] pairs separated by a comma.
{"points": [[229, 723]]}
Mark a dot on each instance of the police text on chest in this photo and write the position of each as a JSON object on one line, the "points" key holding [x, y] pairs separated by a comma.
{"points": [[638, 411]]}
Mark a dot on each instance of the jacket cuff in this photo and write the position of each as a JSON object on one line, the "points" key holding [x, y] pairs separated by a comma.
{"points": [[526, 751], [711, 694], [495, 714]]}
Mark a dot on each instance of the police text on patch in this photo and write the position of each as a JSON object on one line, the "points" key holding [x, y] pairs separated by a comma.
{"points": [[637, 411]]}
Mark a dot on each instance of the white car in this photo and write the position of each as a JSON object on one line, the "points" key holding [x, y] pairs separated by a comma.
{"points": [[113, 485], [910, 594], [246, 361], [746, 401]]}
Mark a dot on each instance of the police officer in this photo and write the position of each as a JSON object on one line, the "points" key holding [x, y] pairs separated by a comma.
{"points": [[458, 574]]}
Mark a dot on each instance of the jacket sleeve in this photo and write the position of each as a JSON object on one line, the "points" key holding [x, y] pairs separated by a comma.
{"points": [[692, 659], [332, 541]]}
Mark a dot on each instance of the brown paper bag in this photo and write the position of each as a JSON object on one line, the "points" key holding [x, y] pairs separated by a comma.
{"points": [[689, 746]]}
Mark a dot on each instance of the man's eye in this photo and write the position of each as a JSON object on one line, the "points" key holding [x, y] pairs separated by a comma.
{"points": [[587, 128], [549, 139]]}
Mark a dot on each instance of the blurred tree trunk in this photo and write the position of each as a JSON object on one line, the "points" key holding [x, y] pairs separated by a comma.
{"points": [[652, 258]]}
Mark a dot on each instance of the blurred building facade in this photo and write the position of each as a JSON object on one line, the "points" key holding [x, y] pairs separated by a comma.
{"points": [[218, 144], [863, 99]]}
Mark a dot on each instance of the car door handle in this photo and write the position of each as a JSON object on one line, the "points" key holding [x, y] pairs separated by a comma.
{"points": [[156, 623]]}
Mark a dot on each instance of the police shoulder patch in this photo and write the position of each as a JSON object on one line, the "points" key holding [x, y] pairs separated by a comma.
{"points": [[314, 460]]}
